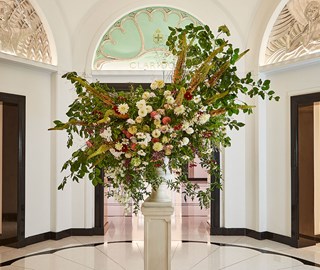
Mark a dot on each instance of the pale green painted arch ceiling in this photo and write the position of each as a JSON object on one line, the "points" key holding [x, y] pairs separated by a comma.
{"points": [[137, 40]]}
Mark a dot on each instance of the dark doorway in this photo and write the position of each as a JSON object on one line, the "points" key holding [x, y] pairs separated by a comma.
{"points": [[303, 152], [12, 174]]}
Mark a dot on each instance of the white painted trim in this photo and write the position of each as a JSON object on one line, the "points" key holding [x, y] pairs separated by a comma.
{"points": [[291, 64], [4, 57]]}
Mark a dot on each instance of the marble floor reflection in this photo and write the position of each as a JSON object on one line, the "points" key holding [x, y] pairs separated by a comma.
{"points": [[192, 248]]}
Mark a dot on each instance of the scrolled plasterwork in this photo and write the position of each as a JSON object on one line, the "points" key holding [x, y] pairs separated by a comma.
{"points": [[22, 33], [296, 32], [137, 40]]}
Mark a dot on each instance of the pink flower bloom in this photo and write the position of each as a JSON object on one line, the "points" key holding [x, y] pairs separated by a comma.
{"points": [[89, 144], [153, 114], [166, 120]]}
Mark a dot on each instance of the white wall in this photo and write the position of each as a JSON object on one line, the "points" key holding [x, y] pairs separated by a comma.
{"points": [[17, 79]]}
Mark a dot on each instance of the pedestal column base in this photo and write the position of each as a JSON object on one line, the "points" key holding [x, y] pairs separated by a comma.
{"points": [[157, 235]]}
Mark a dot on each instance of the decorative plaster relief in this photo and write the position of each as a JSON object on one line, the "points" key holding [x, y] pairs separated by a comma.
{"points": [[21, 31], [296, 31], [137, 40]]}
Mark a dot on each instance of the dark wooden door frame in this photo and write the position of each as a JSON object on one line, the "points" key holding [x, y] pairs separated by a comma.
{"points": [[19, 101], [297, 101]]}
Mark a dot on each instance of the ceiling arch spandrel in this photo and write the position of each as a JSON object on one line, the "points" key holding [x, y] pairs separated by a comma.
{"points": [[296, 32], [22, 32], [137, 40]]}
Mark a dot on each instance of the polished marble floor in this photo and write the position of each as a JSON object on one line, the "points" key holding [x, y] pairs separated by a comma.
{"points": [[192, 248]]}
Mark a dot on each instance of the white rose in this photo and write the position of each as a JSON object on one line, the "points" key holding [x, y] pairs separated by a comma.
{"points": [[185, 141], [190, 130], [142, 112], [167, 93], [146, 95], [170, 99], [149, 109], [156, 133], [141, 104]]}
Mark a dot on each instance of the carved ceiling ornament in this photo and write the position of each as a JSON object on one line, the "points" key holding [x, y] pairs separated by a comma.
{"points": [[21, 31], [296, 31]]}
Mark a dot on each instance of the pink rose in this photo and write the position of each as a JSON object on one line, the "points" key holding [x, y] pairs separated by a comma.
{"points": [[166, 120], [153, 114]]}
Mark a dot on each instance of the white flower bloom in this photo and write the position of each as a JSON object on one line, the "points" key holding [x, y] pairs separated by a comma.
{"points": [[152, 95], [115, 153], [136, 161], [185, 125], [131, 121], [142, 112], [156, 133], [145, 163], [149, 109], [185, 157], [170, 99], [196, 99], [157, 122], [118, 146], [123, 108], [165, 139], [133, 139], [141, 135], [157, 84], [125, 141], [167, 93], [133, 129], [203, 109], [164, 129], [190, 130], [147, 138], [141, 104], [139, 119], [146, 95], [107, 134], [141, 153], [128, 155], [204, 118], [185, 141], [179, 110], [157, 147]]}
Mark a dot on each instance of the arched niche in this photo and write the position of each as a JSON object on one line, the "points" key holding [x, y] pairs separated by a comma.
{"points": [[137, 41], [25, 33], [293, 33]]}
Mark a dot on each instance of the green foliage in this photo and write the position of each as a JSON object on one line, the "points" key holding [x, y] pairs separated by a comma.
{"points": [[187, 118]]}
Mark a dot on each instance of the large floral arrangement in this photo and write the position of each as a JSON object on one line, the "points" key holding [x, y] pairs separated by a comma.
{"points": [[129, 134]]}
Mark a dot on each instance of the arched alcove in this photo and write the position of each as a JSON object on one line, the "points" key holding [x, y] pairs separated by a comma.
{"points": [[137, 41], [293, 32], [24, 33]]}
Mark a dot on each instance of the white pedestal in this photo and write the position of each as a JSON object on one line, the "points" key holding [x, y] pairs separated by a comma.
{"points": [[157, 235]]}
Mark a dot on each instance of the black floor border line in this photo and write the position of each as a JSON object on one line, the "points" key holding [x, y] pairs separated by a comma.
{"points": [[263, 251]]}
